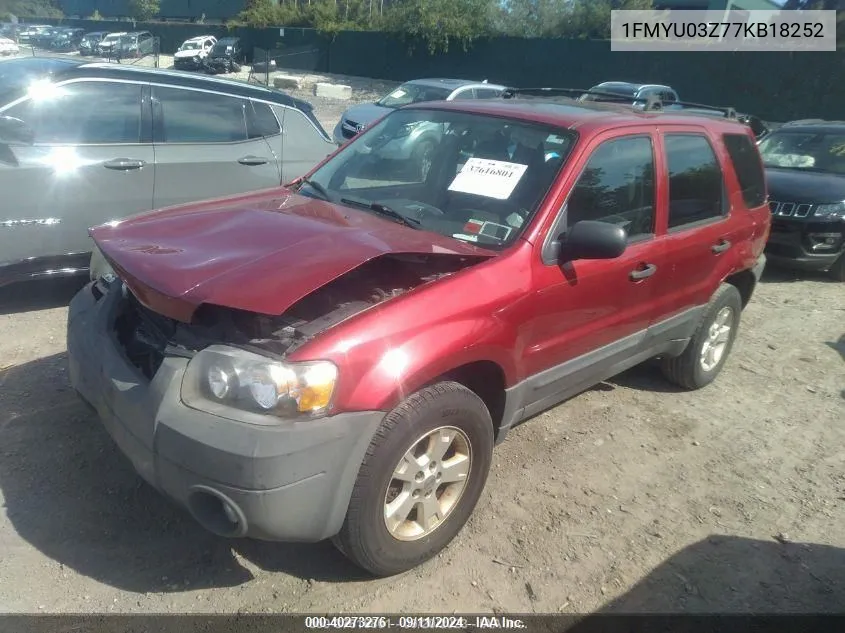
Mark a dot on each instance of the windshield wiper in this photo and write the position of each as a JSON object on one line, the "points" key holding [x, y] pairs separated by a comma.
{"points": [[316, 186], [384, 210]]}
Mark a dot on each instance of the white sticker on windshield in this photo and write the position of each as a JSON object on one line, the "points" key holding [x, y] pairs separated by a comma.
{"points": [[490, 178], [464, 236], [398, 93]]}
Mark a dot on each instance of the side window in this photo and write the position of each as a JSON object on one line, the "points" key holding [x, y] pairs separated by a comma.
{"points": [[667, 96], [189, 116], [696, 189], [262, 122], [748, 168], [466, 93], [617, 186], [84, 113], [486, 93]]}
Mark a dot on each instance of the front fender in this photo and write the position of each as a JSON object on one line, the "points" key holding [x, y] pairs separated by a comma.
{"points": [[407, 366]]}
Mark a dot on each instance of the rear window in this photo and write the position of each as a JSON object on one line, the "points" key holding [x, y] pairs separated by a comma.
{"points": [[748, 168]]}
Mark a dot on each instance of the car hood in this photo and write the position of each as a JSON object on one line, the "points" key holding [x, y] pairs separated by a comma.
{"points": [[796, 185], [365, 113], [260, 252], [192, 53]]}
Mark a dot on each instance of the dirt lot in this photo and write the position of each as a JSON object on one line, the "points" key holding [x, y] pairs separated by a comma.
{"points": [[632, 496]]}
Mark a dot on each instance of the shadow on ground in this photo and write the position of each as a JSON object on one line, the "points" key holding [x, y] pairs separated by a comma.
{"points": [[730, 574], [775, 275], [70, 493], [43, 294]]}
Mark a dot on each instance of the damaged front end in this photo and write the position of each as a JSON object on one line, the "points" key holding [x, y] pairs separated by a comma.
{"points": [[146, 337]]}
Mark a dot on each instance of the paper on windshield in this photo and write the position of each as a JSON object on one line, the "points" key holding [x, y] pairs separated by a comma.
{"points": [[398, 93], [490, 178]]}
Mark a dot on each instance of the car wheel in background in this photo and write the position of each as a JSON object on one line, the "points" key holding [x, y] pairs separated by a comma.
{"points": [[420, 480], [422, 159], [711, 343]]}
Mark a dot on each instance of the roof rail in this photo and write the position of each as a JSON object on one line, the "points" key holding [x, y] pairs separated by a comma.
{"points": [[812, 122], [651, 103]]}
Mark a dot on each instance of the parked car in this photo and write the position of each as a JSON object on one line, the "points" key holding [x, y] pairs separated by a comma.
{"points": [[8, 47], [358, 117], [91, 41], [226, 56], [638, 93], [353, 346], [44, 38], [192, 53], [67, 40], [27, 32], [107, 46], [90, 148], [805, 169], [137, 44]]}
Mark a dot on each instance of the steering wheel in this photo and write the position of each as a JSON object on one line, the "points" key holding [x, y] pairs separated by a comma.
{"points": [[421, 208]]}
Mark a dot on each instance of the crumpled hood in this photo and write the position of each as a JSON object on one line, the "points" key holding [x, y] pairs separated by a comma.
{"points": [[365, 113], [190, 53], [260, 252]]}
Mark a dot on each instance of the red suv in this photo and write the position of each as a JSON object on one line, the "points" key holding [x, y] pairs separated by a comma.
{"points": [[338, 358]]}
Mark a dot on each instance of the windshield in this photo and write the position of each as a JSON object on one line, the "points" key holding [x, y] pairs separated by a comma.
{"points": [[472, 177], [413, 93], [189, 46], [805, 150]]}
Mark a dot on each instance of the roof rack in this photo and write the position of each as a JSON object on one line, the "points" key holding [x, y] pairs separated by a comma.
{"points": [[651, 103]]}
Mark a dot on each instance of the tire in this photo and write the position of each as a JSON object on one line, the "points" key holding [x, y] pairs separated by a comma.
{"points": [[837, 271], [689, 370], [365, 537], [422, 159]]}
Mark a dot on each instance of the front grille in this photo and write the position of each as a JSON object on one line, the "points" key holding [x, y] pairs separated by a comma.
{"points": [[790, 209], [143, 335]]}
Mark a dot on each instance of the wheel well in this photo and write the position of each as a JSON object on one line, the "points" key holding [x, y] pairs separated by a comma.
{"points": [[744, 281], [487, 380]]}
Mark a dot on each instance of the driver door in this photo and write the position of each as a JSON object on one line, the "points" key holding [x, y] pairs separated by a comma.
{"points": [[588, 315]]}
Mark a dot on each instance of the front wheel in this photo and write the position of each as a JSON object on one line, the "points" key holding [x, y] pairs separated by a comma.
{"points": [[711, 343], [421, 478], [422, 159]]}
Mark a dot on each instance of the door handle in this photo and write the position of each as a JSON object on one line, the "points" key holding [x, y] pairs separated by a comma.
{"points": [[124, 164], [721, 247], [252, 160], [641, 273]]}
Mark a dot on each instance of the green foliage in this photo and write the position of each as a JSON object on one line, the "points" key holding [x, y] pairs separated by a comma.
{"points": [[144, 10], [439, 23], [30, 8], [576, 19], [96, 16]]}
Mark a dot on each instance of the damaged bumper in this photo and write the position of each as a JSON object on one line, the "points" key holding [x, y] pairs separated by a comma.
{"points": [[288, 482]]}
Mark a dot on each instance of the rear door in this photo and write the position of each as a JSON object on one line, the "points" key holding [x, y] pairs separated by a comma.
{"points": [[704, 225], [304, 144], [205, 147], [92, 161]]}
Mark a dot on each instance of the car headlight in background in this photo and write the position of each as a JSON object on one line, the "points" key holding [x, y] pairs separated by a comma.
{"points": [[99, 267], [221, 378], [831, 211]]}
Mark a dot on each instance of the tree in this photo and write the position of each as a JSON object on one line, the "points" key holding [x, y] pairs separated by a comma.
{"points": [[144, 10], [30, 8], [439, 23]]}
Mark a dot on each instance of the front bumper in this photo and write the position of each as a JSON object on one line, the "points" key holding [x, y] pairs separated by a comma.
{"points": [[790, 244], [187, 63], [287, 482]]}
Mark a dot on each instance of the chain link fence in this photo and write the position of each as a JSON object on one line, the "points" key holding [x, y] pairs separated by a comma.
{"points": [[265, 62], [132, 49]]}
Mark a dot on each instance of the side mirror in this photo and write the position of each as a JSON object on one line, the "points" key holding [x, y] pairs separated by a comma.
{"points": [[590, 239], [15, 131]]}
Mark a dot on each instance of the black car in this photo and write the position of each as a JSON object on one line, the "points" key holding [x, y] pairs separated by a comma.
{"points": [[45, 38], [90, 41], [67, 40], [805, 170], [226, 56]]}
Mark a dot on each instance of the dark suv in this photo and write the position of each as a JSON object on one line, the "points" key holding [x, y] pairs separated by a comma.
{"points": [[338, 357], [226, 56], [805, 168]]}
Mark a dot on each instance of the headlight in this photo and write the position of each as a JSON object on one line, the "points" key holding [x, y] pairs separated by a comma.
{"points": [[221, 378], [99, 267], [196, 58], [832, 211]]}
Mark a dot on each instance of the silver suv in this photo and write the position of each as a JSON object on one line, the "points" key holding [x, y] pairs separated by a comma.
{"points": [[82, 144]]}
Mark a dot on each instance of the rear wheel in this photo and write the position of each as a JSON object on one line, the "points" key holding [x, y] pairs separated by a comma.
{"points": [[421, 478], [423, 159], [711, 343]]}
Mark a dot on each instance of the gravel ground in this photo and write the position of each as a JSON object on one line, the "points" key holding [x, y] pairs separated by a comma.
{"points": [[632, 496]]}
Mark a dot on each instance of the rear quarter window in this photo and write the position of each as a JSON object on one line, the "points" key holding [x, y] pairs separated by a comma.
{"points": [[748, 167]]}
